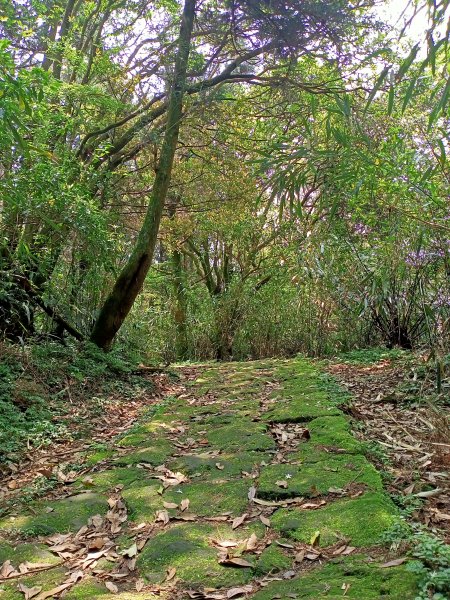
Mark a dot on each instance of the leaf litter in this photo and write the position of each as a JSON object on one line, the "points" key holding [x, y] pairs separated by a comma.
{"points": [[82, 551]]}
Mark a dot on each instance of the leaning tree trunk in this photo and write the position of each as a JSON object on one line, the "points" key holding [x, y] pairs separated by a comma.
{"points": [[130, 281]]}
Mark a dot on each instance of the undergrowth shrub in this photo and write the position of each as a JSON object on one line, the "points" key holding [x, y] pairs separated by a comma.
{"points": [[41, 383], [432, 566]]}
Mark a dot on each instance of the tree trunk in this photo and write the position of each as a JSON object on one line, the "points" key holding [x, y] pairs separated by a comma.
{"points": [[180, 305], [130, 281]]}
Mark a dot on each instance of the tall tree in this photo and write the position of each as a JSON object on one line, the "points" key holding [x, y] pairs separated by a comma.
{"points": [[129, 283]]}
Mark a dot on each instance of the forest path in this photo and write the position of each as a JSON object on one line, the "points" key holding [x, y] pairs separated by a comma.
{"points": [[246, 483]]}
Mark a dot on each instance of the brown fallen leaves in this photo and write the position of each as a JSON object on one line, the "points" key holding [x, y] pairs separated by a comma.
{"points": [[414, 434], [8, 571], [212, 594], [169, 478], [231, 551], [81, 552], [37, 594]]}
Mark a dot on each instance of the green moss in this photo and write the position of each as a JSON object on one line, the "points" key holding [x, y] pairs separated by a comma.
{"points": [[329, 435], [317, 478], [91, 589], [244, 435], [19, 553], [301, 397], [148, 435], [110, 478], [205, 465], [206, 499], [361, 520], [212, 499], [272, 560], [88, 588], [190, 550], [302, 408], [143, 501], [100, 455], [359, 580], [69, 514], [155, 455]]}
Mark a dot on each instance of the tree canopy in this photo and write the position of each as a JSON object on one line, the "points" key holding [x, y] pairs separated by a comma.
{"points": [[224, 179]]}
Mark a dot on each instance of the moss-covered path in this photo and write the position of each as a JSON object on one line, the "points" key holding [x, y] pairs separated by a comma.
{"points": [[248, 483]]}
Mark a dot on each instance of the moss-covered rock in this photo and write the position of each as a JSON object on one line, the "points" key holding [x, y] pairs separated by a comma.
{"points": [[301, 396], [20, 552], [205, 465], [272, 560], [329, 435], [354, 576], [205, 499], [212, 499], [155, 454], [98, 456], [110, 478], [243, 435], [317, 478], [189, 549], [301, 408], [143, 501], [91, 589], [361, 520], [69, 514]]}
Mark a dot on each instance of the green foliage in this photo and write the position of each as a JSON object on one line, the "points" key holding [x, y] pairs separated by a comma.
{"points": [[305, 218], [369, 356], [431, 558], [432, 566], [36, 383]]}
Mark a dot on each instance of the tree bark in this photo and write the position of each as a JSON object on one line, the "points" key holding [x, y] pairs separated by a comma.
{"points": [[180, 312], [130, 281]]}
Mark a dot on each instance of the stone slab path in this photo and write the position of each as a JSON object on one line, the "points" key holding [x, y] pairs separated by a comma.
{"points": [[247, 484]]}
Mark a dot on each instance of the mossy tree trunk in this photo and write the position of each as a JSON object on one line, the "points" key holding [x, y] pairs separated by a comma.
{"points": [[180, 311], [129, 282]]}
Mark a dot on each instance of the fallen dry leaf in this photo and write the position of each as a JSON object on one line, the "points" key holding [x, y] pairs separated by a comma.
{"points": [[55, 591], [283, 544], [97, 543], [131, 551], [162, 515], [29, 592], [281, 483], [112, 587], [96, 521], [140, 584], [264, 520], [312, 556], [238, 521], [226, 543], [184, 504], [300, 556], [170, 505], [171, 572], [239, 591], [393, 563], [236, 562], [7, 569], [252, 542]]}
